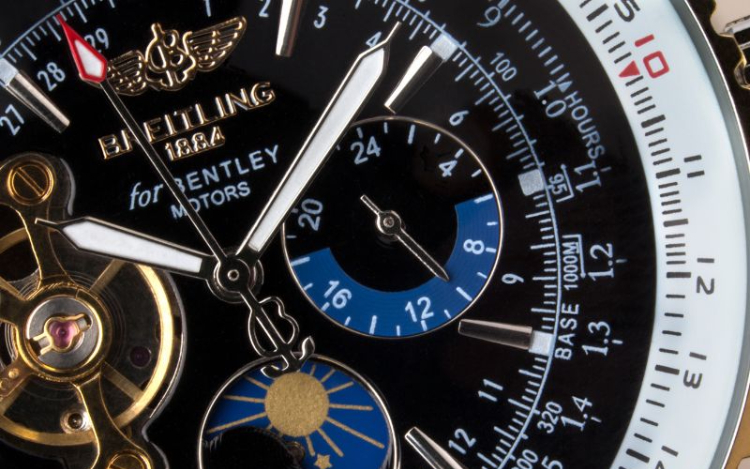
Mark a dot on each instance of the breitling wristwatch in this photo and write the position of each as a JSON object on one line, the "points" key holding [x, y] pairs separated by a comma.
{"points": [[374, 234]]}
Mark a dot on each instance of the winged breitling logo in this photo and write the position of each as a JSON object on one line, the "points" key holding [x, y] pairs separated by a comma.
{"points": [[172, 60]]}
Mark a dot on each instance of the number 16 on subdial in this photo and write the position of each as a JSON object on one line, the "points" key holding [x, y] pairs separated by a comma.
{"points": [[401, 232]]}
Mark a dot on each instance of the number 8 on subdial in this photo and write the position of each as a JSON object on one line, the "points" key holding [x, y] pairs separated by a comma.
{"points": [[401, 232]]}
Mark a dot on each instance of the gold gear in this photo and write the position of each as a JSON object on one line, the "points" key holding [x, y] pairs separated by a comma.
{"points": [[93, 388]]}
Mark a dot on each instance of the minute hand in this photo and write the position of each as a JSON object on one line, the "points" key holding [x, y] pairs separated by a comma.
{"points": [[356, 89]]}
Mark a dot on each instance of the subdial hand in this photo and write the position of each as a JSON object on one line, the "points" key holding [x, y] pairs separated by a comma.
{"points": [[390, 224]]}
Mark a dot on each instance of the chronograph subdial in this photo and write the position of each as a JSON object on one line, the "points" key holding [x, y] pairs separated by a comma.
{"points": [[400, 234]]}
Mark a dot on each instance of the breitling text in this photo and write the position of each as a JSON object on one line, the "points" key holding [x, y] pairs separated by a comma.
{"points": [[189, 119]]}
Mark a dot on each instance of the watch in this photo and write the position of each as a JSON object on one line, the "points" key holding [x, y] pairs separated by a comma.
{"points": [[374, 234]]}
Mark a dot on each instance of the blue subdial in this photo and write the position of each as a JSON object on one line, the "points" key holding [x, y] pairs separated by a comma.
{"points": [[400, 234], [331, 413]]}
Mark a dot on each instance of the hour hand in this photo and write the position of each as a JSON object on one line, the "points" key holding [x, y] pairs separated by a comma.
{"points": [[106, 239]]}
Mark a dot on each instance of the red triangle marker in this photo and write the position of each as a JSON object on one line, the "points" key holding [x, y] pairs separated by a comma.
{"points": [[92, 66], [630, 71]]}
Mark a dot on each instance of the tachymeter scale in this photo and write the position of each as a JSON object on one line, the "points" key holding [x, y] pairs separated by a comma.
{"points": [[401, 232]]}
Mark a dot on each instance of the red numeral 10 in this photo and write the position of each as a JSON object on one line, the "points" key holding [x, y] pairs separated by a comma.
{"points": [[656, 64]]}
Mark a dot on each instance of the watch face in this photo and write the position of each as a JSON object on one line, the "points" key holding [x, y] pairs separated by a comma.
{"points": [[371, 234]]}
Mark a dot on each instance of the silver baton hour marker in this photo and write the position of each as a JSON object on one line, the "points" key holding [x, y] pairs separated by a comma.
{"points": [[291, 12], [519, 337], [431, 452], [28, 93], [425, 64]]}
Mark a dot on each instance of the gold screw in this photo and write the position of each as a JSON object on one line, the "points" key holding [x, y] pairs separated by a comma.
{"points": [[13, 374], [76, 421], [30, 183]]}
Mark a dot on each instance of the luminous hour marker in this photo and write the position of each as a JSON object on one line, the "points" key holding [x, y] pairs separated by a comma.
{"points": [[27, 92], [519, 337], [542, 343], [291, 12], [531, 182], [431, 452], [425, 64]]}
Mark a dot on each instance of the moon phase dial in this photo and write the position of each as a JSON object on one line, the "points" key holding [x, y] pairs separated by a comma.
{"points": [[400, 234], [321, 417]]}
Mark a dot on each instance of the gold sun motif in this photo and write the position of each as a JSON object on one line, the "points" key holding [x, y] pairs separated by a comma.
{"points": [[298, 405]]}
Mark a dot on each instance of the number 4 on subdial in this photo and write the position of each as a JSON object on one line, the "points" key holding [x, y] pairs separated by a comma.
{"points": [[400, 234]]}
